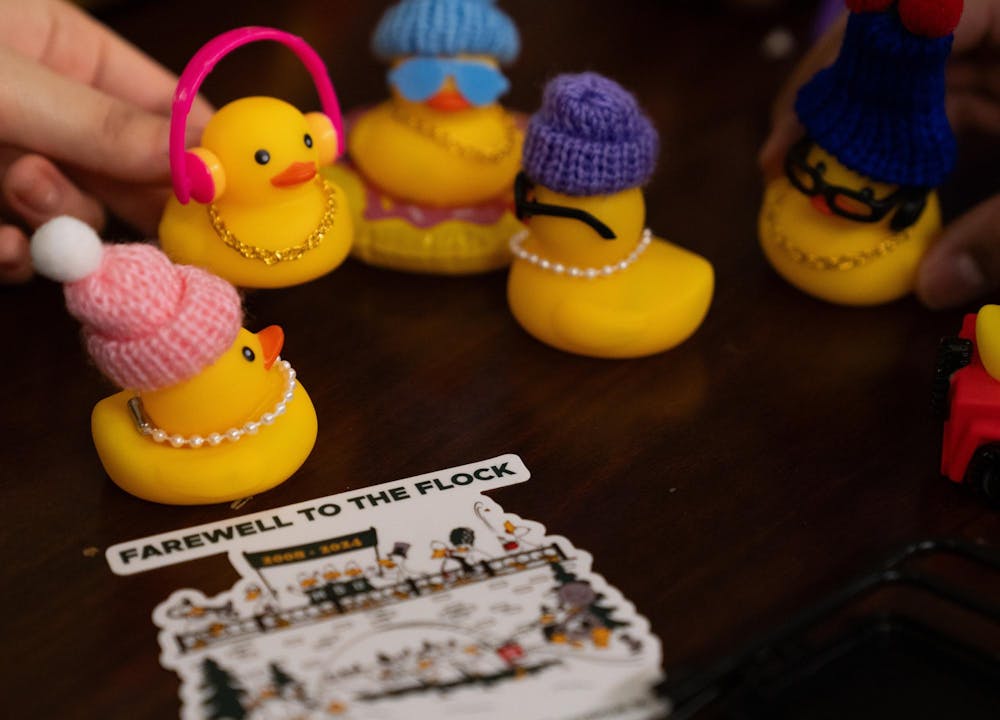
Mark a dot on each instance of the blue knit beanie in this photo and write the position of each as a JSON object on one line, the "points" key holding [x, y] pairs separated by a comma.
{"points": [[446, 27], [589, 138], [879, 109]]}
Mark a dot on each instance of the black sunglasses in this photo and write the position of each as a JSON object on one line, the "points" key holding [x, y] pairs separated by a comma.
{"points": [[525, 208], [858, 205]]}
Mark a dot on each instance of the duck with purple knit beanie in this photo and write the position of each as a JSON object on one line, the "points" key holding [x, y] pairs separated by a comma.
{"points": [[208, 412], [856, 209], [588, 277], [430, 170]]}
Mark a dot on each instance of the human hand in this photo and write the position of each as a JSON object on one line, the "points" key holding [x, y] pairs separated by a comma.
{"points": [[964, 263], [84, 126]]}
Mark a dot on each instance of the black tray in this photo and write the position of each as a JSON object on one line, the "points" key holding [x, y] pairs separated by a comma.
{"points": [[914, 640]]}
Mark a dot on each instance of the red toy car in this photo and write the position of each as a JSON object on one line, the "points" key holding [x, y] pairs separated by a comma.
{"points": [[967, 398]]}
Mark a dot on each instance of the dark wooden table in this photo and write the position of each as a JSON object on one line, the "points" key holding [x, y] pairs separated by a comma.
{"points": [[721, 486]]}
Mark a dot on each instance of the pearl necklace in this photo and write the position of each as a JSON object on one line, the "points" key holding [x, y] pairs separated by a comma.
{"points": [[517, 248], [145, 426]]}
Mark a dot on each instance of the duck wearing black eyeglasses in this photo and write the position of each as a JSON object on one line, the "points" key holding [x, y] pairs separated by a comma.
{"points": [[587, 276], [856, 209], [432, 166]]}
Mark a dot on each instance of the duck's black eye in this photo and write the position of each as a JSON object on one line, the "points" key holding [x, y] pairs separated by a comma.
{"points": [[821, 167], [308, 140], [867, 193], [248, 354], [263, 157]]}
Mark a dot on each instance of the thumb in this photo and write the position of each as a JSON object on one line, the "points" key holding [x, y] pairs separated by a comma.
{"points": [[965, 262], [784, 133]]}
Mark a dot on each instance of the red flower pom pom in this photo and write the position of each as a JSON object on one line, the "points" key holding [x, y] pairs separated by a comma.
{"points": [[860, 6], [931, 18]]}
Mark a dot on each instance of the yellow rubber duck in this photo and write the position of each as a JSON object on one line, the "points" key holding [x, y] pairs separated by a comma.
{"points": [[838, 259], [988, 339], [263, 217], [209, 412], [440, 152], [855, 212], [587, 278], [278, 222], [431, 168]]}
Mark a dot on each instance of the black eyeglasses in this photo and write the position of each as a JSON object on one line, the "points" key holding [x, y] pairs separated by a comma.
{"points": [[858, 205], [525, 208]]}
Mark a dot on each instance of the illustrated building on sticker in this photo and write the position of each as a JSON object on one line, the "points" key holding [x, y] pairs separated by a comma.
{"points": [[358, 593]]}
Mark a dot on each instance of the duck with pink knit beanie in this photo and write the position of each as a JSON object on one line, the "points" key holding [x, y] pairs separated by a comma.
{"points": [[208, 412]]}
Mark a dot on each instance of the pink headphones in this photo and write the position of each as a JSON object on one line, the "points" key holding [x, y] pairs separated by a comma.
{"points": [[198, 173]]}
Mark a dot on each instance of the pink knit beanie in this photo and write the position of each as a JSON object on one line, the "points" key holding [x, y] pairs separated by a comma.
{"points": [[148, 324]]}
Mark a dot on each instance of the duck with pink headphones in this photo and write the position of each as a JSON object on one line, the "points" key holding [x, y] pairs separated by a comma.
{"points": [[263, 216]]}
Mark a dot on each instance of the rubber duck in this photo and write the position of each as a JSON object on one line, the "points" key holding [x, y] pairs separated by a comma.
{"points": [[208, 413], [263, 216], [587, 277], [431, 168], [988, 339], [856, 209]]}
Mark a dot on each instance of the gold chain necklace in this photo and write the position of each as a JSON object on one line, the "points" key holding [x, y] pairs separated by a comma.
{"points": [[446, 140], [837, 263], [292, 252]]}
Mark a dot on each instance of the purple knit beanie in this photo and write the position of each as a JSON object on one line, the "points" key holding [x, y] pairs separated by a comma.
{"points": [[589, 138]]}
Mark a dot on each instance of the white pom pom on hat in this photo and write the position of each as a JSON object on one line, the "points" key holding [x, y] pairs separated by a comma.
{"points": [[66, 249]]}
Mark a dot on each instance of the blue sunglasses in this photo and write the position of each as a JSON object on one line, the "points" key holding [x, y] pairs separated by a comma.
{"points": [[418, 79]]}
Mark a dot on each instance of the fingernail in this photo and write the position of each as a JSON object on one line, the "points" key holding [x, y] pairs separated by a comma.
{"points": [[40, 196], [13, 248], [953, 281], [8, 253]]}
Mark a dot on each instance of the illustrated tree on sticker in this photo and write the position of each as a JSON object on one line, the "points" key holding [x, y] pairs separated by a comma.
{"points": [[580, 614], [285, 685], [224, 696], [279, 678]]}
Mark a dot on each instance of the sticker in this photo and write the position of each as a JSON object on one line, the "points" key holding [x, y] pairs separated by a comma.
{"points": [[299, 521], [418, 598]]}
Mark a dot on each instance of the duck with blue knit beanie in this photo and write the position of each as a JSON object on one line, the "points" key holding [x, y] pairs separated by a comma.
{"points": [[588, 277], [430, 169], [857, 209]]}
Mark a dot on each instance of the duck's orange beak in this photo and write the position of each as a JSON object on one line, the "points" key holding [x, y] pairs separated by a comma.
{"points": [[295, 174], [819, 202], [271, 339], [449, 100]]}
